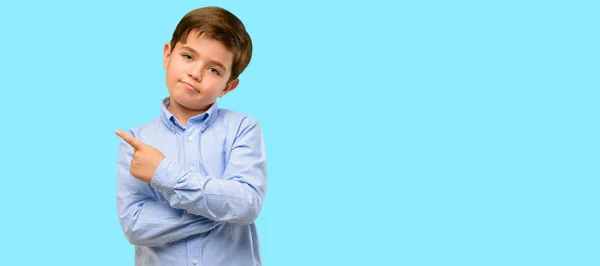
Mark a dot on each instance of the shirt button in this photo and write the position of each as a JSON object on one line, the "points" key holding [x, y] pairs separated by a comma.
{"points": [[190, 138], [193, 169], [195, 261]]}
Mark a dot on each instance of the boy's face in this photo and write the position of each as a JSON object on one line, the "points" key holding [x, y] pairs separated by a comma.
{"points": [[198, 71]]}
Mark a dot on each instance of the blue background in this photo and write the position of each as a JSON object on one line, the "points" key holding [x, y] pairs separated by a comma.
{"points": [[398, 133]]}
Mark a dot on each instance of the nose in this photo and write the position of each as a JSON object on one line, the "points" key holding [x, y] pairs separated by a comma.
{"points": [[195, 72]]}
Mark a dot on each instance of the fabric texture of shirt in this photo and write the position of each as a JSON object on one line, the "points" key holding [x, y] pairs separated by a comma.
{"points": [[200, 207]]}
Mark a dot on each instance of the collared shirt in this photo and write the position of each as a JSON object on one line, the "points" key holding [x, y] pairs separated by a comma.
{"points": [[200, 207]]}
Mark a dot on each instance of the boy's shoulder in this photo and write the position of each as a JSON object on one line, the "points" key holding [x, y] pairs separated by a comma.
{"points": [[228, 121], [233, 117]]}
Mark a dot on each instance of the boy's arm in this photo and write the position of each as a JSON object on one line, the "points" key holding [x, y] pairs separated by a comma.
{"points": [[235, 198], [146, 221]]}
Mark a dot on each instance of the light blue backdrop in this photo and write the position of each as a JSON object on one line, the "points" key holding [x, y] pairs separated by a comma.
{"points": [[398, 133]]}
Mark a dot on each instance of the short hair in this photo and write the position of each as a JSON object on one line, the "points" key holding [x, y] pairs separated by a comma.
{"points": [[220, 25]]}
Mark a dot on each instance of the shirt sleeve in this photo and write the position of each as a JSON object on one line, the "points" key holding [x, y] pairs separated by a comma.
{"points": [[144, 220], [236, 197]]}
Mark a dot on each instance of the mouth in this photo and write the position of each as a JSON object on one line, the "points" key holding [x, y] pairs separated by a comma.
{"points": [[189, 86]]}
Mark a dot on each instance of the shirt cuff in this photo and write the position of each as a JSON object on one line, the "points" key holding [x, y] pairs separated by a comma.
{"points": [[162, 179]]}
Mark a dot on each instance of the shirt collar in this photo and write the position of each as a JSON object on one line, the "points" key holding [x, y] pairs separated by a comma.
{"points": [[205, 118]]}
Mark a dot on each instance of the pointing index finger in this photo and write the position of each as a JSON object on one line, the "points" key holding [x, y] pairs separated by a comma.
{"points": [[135, 143]]}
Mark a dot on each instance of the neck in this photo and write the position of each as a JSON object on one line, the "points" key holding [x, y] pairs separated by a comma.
{"points": [[182, 113]]}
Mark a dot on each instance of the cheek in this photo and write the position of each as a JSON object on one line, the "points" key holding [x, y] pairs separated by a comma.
{"points": [[176, 65], [177, 68], [174, 74], [216, 84]]}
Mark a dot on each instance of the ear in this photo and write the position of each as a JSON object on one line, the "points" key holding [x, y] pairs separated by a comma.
{"points": [[166, 55], [230, 87]]}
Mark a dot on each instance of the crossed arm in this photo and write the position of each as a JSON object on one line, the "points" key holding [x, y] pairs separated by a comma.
{"points": [[195, 203]]}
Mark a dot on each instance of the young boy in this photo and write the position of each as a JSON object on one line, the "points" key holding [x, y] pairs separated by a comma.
{"points": [[191, 182]]}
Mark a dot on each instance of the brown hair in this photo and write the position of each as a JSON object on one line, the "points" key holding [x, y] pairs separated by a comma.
{"points": [[220, 25]]}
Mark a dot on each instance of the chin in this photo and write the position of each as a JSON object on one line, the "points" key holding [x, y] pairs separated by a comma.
{"points": [[189, 102]]}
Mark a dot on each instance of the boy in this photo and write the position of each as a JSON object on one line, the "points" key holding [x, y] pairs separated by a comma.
{"points": [[191, 182]]}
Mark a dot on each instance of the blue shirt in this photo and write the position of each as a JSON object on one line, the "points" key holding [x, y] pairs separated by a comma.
{"points": [[200, 207]]}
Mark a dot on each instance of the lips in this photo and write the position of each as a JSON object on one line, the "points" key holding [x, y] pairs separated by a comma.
{"points": [[189, 86]]}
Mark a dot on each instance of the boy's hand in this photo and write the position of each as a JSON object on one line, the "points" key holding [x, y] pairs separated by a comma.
{"points": [[145, 158]]}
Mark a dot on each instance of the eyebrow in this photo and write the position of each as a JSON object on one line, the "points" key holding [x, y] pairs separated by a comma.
{"points": [[191, 50]]}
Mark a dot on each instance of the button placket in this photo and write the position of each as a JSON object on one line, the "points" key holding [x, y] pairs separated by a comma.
{"points": [[191, 146]]}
